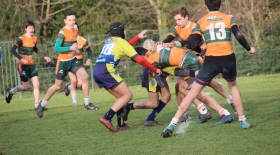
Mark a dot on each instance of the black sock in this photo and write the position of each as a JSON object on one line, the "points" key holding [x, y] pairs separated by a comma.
{"points": [[129, 106], [110, 114]]}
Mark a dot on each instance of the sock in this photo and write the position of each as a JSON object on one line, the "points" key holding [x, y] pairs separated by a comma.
{"points": [[201, 108], [224, 111], [36, 104], [14, 90], [242, 118], [119, 117], [44, 103], [229, 99], [129, 106], [69, 87], [174, 121], [74, 96], [86, 100], [156, 110], [110, 114]]}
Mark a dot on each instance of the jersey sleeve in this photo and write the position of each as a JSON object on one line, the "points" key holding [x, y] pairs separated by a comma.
{"points": [[232, 21], [18, 42], [128, 49], [174, 33], [196, 29]]}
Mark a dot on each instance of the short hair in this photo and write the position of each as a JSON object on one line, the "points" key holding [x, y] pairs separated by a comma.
{"points": [[29, 23], [148, 44], [182, 10], [141, 50], [117, 29], [69, 13], [213, 5]]}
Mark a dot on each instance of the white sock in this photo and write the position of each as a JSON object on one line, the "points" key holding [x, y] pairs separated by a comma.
{"points": [[69, 87], [86, 100], [201, 108], [44, 103], [174, 121], [229, 99], [14, 90], [74, 96], [224, 112], [242, 118], [36, 104]]}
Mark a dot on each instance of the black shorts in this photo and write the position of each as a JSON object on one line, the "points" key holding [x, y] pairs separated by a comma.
{"points": [[209, 70]]}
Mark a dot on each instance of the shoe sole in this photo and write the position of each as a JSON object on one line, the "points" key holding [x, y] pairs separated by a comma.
{"points": [[227, 121], [110, 128], [95, 109]]}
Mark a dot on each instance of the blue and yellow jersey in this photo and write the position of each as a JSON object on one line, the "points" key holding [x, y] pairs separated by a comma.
{"points": [[68, 37], [26, 47], [82, 43], [216, 29], [114, 49]]}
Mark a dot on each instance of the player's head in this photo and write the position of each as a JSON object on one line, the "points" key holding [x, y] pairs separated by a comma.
{"points": [[70, 19], [141, 50], [29, 27], [148, 44], [117, 29], [213, 5], [181, 16]]}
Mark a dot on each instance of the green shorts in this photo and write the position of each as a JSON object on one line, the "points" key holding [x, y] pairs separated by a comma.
{"points": [[63, 67], [190, 61], [27, 71]]}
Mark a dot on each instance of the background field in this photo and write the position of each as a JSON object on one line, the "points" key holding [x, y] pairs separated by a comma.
{"points": [[72, 130]]}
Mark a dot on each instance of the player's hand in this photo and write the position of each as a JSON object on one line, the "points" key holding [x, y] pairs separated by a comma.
{"points": [[203, 51], [77, 52], [159, 43], [252, 51], [158, 72], [74, 47], [23, 61], [168, 45], [87, 62], [48, 59], [142, 34]]}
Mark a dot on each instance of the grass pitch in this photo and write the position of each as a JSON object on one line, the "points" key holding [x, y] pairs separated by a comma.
{"points": [[72, 130]]}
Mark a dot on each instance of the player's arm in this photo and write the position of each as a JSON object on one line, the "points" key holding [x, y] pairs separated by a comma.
{"points": [[134, 40], [58, 44], [14, 52], [142, 61], [168, 39], [41, 54], [89, 52], [141, 35], [192, 42], [240, 38]]}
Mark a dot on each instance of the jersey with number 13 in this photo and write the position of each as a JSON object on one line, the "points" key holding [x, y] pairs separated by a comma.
{"points": [[216, 28]]}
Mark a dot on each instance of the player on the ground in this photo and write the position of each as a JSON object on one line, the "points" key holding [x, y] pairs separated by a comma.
{"points": [[106, 75], [216, 27], [26, 45], [171, 57], [67, 47]]}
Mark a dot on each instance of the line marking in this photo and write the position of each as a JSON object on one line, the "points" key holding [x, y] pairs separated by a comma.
{"points": [[182, 127]]}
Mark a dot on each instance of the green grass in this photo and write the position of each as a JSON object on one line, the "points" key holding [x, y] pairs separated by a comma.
{"points": [[72, 130]]}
